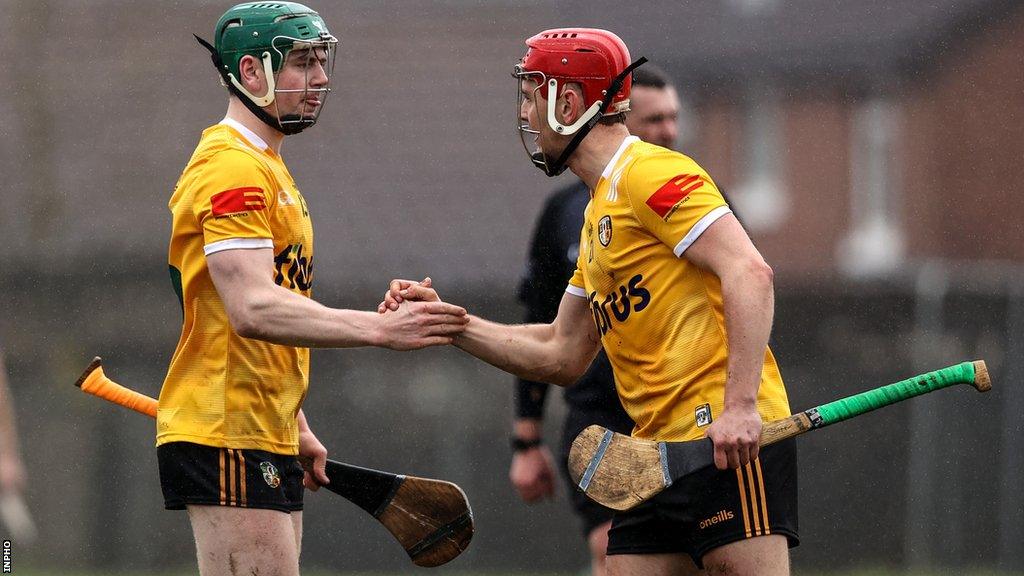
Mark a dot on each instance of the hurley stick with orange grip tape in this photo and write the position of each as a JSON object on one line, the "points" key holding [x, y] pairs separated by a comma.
{"points": [[430, 518]]}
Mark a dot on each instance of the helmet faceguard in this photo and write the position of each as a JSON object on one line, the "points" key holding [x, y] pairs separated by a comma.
{"points": [[596, 60], [270, 32]]}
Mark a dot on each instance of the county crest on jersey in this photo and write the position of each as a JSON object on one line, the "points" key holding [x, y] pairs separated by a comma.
{"points": [[660, 316]]}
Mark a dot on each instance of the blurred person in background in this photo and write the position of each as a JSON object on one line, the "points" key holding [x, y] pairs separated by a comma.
{"points": [[12, 471], [230, 424], [653, 117], [670, 284], [13, 512]]}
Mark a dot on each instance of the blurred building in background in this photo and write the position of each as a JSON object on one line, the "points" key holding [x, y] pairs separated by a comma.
{"points": [[872, 148]]}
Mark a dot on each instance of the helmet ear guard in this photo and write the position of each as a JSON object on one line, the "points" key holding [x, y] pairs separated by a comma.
{"points": [[253, 103], [268, 70], [557, 126]]}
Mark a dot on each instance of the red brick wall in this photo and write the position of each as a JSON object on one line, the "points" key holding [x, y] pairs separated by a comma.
{"points": [[817, 178], [960, 159], [815, 174], [964, 138]]}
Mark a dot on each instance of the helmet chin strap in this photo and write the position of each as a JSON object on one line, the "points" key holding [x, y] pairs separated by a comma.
{"points": [[249, 100], [543, 161]]}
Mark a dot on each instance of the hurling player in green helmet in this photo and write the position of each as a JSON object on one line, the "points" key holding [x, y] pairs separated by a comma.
{"points": [[230, 424]]}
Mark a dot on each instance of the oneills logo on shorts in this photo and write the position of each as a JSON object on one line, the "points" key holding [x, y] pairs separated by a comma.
{"points": [[604, 230], [722, 516], [270, 475]]}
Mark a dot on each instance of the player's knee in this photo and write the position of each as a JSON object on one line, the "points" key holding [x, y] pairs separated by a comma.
{"points": [[597, 540], [254, 561], [238, 563], [720, 568]]}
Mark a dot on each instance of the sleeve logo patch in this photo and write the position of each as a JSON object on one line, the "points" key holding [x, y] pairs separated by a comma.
{"points": [[238, 200], [667, 199]]}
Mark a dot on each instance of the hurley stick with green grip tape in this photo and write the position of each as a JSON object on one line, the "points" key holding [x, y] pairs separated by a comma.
{"points": [[621, 472]]}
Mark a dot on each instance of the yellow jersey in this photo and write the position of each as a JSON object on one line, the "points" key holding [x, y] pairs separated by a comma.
{"points": [[221, 389], [660, 316]]}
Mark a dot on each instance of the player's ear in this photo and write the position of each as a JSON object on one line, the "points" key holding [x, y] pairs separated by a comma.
{"points": [[570, 105], [251, 71]]}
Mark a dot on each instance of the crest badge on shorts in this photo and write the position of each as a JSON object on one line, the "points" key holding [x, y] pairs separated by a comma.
{"points": [[270, 475], [604, 230], [703, 415]]}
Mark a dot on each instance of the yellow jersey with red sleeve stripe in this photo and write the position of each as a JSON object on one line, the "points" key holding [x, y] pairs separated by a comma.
{"points": [[221, 389], [660, 316]]}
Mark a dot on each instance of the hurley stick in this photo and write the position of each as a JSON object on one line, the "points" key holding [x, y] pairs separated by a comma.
{"points": [[621, 472], [430, 518]]}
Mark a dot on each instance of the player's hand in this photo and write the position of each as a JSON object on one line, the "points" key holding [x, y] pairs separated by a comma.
{"points": [[310, 446], [533, 474], [418, 324], [736, 434], [401, 290]]}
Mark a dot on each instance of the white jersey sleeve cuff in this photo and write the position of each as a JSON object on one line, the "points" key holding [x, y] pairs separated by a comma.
{"points": [[576, 291], [699, 229], [237, 244]]}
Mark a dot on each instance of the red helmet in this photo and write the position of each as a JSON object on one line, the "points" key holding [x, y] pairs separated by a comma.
{"points": [[595, 59], [588, 56]]}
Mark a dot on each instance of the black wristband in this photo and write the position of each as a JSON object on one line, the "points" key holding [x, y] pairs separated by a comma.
{"points": [[520, 445]]}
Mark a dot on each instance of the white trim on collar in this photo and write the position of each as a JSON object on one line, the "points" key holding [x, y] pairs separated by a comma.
{"points": [[618, 153], [249, 135]]}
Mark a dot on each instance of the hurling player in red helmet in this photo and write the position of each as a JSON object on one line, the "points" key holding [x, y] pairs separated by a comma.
{"points": [[669, 283], [535, 467]]}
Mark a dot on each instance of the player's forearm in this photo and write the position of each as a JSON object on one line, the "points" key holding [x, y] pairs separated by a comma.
{"points": [[749, 301], [281, 316], [529, 351], [302, 422]]}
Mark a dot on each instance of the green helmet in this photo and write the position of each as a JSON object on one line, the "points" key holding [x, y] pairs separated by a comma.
{"points": [[268, 31], [257, 27]]}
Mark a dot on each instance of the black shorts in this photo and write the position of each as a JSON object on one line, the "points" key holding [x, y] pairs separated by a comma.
{"points": [[712, 508], [591, 513], [205, 475]]}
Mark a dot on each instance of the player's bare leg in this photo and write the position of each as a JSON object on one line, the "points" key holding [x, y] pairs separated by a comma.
{"points": [[597, 541], [233, 541], [651, 565], [297, 527], [761, 556]]}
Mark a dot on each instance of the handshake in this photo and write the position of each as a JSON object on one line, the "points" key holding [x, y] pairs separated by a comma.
{"points": [[415, 317]]}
